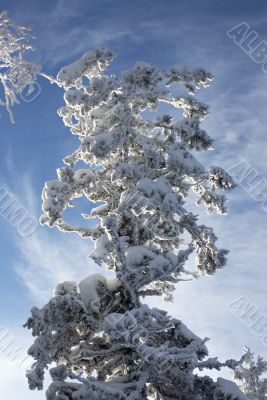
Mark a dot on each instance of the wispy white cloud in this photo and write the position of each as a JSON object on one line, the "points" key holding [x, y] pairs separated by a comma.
{"points": [[47, 259], [47, 256], [81, 39], [67, 29]]}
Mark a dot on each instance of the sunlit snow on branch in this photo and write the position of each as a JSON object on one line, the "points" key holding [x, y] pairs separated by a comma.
{"points": [[17, 75]]}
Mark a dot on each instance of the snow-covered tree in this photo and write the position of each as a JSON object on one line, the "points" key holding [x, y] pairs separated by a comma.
{"points": [[105, 341], [248, 375], [16, 73]]}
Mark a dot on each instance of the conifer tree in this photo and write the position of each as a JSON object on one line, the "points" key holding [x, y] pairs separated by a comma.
{"points": [[248, 375], [106, 343]]}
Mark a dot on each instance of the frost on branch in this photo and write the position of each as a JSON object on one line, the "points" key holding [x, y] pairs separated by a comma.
{"points": [[248, 375], [89, 65], [140, 172], [16, 74]]}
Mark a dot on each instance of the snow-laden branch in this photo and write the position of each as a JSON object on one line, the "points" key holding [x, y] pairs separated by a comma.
{"points": [[16, 73], [250, 375]]}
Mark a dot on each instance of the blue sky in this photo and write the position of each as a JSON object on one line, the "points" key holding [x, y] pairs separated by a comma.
{"points": [[166, 33]]}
